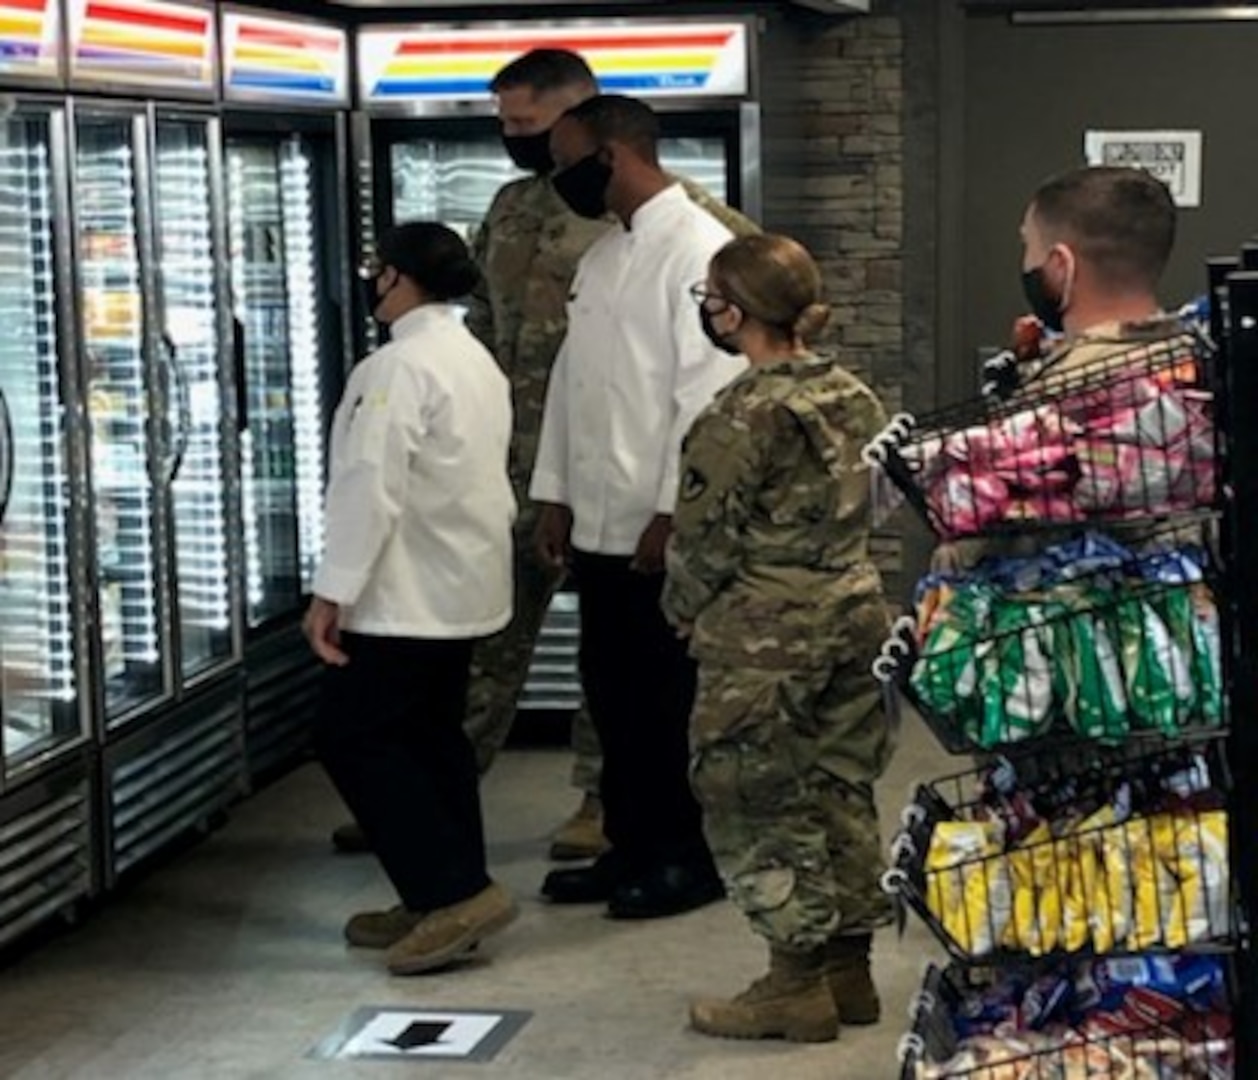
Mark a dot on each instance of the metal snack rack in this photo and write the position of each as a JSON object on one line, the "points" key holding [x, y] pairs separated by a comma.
{"points": [[1192, 467]]}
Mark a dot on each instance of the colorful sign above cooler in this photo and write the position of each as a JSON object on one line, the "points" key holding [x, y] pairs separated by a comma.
{"points": [[146, 44], [406, 66], [272, 59], [28, 40]]}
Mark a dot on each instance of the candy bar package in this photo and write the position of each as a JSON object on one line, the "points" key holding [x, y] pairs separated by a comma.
{"points": [[1130, 438], [1087, 637], [1112, 858], [1146, 1019]]}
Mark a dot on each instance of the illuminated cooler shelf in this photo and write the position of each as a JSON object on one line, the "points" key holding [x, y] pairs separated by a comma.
{"points": [[275, 299], [190, 301], [113, 333], [37, 648]]}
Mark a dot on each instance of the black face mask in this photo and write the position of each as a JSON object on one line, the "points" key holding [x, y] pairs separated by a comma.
{"points": [[583, 186], [530, 152], [714, 335], [372, 299], [1043, 306]]}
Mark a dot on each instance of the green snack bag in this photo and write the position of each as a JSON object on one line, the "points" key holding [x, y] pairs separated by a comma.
{"points": [[1016, 675], [945, 675], [1097, 708], [1175, 607], [1207, 655], [1150, 666]]}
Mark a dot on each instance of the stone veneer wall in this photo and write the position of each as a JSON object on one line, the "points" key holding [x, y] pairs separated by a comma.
{"points": [[834, 122]]}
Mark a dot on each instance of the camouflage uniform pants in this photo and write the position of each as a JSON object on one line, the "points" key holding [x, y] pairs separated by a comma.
{"points": [[500, 667], [783, 765]]}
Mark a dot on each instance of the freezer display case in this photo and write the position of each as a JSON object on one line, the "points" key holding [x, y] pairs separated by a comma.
{"points": [[38, 669], [188, 380], [279, 345], [110, 168]]}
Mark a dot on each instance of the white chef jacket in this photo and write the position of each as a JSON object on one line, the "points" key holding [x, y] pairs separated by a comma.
{"points": [[419, 507], [633, 372]]}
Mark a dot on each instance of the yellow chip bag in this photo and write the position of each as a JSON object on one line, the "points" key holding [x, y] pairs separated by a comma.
{"points": [[1198, 863], [968, 883], [1094, 883]]}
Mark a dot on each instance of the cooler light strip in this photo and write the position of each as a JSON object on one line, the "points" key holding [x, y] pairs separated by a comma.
{"points": [[200, 519], [142, 41], [283, 58], [28, 37], [303, 337], [698, 59]]}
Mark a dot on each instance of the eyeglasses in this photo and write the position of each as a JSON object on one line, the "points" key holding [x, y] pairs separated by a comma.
{"points": [[701, 294]]}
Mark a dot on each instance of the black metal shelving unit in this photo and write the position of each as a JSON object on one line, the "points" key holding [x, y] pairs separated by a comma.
{"points": [[1182, 769], [1236, 317]]}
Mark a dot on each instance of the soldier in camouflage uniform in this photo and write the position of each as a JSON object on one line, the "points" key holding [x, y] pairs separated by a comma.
{"points": [[1095, 242], [528, 249], [769, 574]]}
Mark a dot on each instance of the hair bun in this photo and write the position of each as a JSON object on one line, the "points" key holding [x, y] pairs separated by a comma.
{"points": [[455, 279], [812, 320]]}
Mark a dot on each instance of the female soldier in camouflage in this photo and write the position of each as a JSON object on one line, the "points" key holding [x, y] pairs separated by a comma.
{"points": [[769, 574]]}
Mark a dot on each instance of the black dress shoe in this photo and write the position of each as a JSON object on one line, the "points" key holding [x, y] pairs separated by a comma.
{"points": [[665, 890], [593, 884]]}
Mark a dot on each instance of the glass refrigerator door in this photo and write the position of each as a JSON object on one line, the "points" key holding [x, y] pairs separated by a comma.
{"points": [[37, 661], [189, 377], [125, 497], [448, 180], [275, 300], [304, 335], [454, 180]]}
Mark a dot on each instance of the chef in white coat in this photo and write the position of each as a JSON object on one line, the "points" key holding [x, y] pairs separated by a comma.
{"points": [[417, 567], [634, 370]]}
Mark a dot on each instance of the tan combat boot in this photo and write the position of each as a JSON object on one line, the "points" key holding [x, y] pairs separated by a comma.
{"points": [[851, 984], [444, 935], [581, 836], [381, 929], [792, 1002]]}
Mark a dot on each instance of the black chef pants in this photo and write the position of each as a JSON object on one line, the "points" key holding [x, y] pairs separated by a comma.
{"points": [[390, 734], [639, 685]]}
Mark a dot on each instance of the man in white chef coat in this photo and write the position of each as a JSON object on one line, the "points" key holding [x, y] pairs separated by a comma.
{"points": [[634, 370]]}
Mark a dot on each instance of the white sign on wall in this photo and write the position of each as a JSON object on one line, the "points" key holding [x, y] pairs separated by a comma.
{"points": [[1174, 157]]}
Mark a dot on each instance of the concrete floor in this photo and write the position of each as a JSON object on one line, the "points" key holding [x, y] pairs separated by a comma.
{"points": [[228, 961]]}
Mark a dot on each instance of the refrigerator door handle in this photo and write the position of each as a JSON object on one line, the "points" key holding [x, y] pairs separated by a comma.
{"points": [[182, 428], [240, 374], [7, 449]]}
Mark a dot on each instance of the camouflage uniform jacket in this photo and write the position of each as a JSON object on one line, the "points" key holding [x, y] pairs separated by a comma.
{"points": [[770, 547], [1114, 343], [528, 248]]}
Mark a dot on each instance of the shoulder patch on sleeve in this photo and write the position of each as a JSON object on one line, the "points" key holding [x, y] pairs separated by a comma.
{"points": [[693, 484]]}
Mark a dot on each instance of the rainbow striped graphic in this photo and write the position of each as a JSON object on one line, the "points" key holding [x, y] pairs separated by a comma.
{"points": [[142, 43], [677, 59], [28, 39], [268, 58]]}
